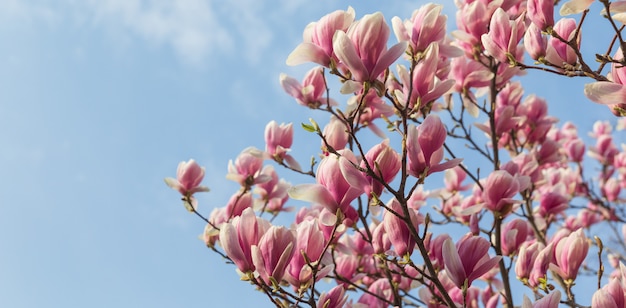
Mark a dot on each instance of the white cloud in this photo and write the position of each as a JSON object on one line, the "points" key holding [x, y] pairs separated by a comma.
{"points": [[191, 27]]}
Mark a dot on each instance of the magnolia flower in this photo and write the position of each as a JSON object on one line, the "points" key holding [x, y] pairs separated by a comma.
{"points": [[541, 13], [469, 260], [569, 254], [238, 236], [318, 39], [611, 93], [503, 36], [189, 175], [273, 253], [610, 296], [338, 183], [551, 300], [425, 148], [363, 49], [335, 298]]}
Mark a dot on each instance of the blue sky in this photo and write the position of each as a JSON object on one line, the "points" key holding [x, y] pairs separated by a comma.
{"points": [[100, 100]]}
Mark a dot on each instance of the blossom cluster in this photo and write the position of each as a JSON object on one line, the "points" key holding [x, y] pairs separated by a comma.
{"points": [[513, 217]]}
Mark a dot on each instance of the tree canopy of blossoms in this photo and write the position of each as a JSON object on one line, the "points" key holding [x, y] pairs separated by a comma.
{"points": [[439, 182]]}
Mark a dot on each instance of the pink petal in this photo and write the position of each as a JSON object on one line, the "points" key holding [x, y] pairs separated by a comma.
{"points": [[452, 261], [574, 7], [387, 58], [346, 52], [308, 52], [605, 92], [314, 193]]}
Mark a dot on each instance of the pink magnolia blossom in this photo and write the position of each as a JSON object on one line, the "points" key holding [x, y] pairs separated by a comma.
{"points": [[384, 162], [569, 254], [425, 148], [310, 242], [426, 26], [339, 182], [551, 300], [363, 49], [541, 13], [503, 36], [335, 298], [380, 239], [558, 52], [189, 175], [246, 170], [335, 134], [273, 253], [499, 190], [469, 260], [278, 139], [397, 229], [611, 189], [535, 42], [310, 92], [514, 233], [273, 193], [539, 271], [613, 92], [239, 236], [528, 252], [453, 179], [435, 249], [425, 87], [382, 289], [317, 45], [472, 19], [610, 296]]}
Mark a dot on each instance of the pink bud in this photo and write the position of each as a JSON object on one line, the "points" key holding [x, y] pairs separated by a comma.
{"points": [[611, 189], [278, 139], [310, 243], [189, 175], [535, 43], [570, 252], [527, 255], [558, 52], [310, 92], [610, 296], [540, 266], [397, 229], [541, 13], [336, 135], [384, 162], [575, 150], [273, 253]]}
